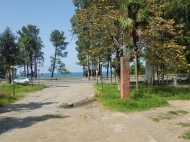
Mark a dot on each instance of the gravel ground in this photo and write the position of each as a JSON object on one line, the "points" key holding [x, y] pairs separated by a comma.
{"points": [[69, 114]]}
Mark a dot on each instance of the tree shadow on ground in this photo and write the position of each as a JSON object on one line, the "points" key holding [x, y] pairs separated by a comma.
{"points": [[10, 123], [20, 107]]}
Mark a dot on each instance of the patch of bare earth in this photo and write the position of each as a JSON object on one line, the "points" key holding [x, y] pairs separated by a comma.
{"points": [[47, 119]]}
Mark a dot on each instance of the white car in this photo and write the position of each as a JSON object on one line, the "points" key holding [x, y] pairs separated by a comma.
{"points": [[21, 80]]}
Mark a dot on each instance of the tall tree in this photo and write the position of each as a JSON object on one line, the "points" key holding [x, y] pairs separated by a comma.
{"points": [[179, 11], [29, 46], [161, 43], [31, 31], [9, 52], [96, 27], [58, 40]]}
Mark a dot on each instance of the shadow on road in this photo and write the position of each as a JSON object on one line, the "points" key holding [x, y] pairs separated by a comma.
{"points": [[10, 123], [20, 107]]}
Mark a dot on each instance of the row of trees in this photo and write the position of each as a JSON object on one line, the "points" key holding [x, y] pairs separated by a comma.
{"points": [[156, 31], [25, 50]]}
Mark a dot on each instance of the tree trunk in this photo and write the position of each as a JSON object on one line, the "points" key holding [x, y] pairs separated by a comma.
{"points": [[27, 66], [117, 68], [88, 66], [107, 70], [53, 68], [188, 77], [149, 74], [111, 72], [25, 69], [31, 68], [9, 76], [35, 66], [83, 70], [136, 72]]}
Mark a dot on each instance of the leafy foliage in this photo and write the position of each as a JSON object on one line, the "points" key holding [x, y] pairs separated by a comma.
{"points": [[9, 52], [141, 69], [31, 45], [108, 27], [160, 37], [64, 71]]}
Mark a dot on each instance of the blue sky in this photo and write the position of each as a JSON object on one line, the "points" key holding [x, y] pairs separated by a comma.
{"points": [[47, 15]]}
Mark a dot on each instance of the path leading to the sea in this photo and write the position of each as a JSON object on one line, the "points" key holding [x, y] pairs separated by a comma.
{"points": [[45, 117]]}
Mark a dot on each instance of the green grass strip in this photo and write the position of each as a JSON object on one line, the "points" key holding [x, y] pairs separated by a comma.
{"points": [[6, 92], [145, 99]]}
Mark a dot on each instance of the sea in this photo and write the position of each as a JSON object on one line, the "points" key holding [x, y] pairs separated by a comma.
{"points": [[58, 75]]}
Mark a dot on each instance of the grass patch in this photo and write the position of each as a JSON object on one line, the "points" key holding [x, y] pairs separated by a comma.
{"points": [[178, 112], [145, 99], [184, 124], [186, 135], [157, 119], [6, 92]]}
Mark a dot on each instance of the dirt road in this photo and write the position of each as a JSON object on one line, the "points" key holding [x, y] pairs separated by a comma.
{"points": [[44, 116]]}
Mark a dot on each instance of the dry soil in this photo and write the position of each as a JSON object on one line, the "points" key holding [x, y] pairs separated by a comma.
{"points": [[69, 114]]}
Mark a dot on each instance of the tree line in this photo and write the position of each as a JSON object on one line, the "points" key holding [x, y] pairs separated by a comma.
{"points": [[25, 50], [155, 31]]}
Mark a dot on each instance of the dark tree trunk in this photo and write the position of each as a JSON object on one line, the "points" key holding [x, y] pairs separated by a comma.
{"points": [[53, 68], [27, 69], [107, 70], [35, 66]]}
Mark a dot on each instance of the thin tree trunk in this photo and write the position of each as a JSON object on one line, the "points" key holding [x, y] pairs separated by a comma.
{"points": [[88, 65], [24, 69], [53, 68], [136, 72], [83, 70], [35, 66], [188, 77], [107, 70], [111, 72], [162, 75], [118, 69], [31, 68], [27, 66]]}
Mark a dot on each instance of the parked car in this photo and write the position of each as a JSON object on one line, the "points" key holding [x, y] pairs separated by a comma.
{"points": [[22, 80]]}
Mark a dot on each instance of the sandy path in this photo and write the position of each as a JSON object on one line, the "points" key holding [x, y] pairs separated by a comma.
{"points": [[39, 117]]}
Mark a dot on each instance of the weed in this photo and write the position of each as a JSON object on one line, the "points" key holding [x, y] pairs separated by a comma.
{"points": [[173, 112], [157, 119], [182, 112], [178, 112], [186, 135], [184, 124]]}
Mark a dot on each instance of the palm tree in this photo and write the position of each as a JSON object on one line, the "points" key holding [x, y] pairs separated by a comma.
{"points": [[29, 46], [136, 17]]}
